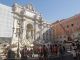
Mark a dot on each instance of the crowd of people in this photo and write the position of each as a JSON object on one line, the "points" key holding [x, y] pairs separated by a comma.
{"points": [[43, 51], [76, 48], [50, 50], [22, 55]]}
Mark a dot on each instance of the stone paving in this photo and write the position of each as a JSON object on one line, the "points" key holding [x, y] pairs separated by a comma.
{"points": [[63, 57]]}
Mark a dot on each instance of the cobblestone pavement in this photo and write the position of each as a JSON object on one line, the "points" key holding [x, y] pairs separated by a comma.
{"points": [[64, 57]]}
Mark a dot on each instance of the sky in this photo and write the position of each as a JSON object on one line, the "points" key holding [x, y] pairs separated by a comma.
{"points": [[51, 10]]}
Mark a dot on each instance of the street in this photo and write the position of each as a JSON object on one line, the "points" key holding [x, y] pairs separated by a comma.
{"points": [[66, 56]]}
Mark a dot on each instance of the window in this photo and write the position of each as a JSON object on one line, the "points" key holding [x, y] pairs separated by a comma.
{"points": [[57, 37], [16, 35], [67, 26], [79, 34], [73, 35], [72, 25], [29, 31], [64, 36], [60, 36]]}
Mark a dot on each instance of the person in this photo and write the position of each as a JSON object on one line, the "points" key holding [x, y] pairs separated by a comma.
{"points": [[48, 49], [78, 45], [40, 53], [62, 50], [24, 53], [78, 55], [10, 54], [55, 49], [78, 50], [51, 49], [45, 52]]}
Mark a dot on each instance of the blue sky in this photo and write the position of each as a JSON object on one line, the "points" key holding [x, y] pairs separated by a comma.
{"points": [[51, 10]]}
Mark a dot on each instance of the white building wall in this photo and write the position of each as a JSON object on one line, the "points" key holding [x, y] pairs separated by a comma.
{"points": [[6, 21]]}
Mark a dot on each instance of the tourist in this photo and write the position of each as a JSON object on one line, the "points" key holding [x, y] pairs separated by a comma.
{"points": [[45, 52], [51, 48], [10, 54], [40, 53], [24, 53], [55, 49]]}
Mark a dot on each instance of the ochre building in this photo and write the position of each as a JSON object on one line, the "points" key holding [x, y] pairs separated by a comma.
{"points": [[65, 28]]}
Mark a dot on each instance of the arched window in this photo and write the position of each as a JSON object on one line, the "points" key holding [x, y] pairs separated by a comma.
{"points": [[29, 31]]}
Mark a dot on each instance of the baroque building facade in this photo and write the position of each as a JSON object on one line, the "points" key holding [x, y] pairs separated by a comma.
{"points": [[28, 26]]}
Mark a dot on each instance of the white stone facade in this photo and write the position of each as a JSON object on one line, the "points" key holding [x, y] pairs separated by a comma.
{"points": [[30, 17], [28, 25]]}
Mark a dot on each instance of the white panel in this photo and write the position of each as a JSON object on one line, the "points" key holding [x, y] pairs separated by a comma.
{"points": [[6, 21]]}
